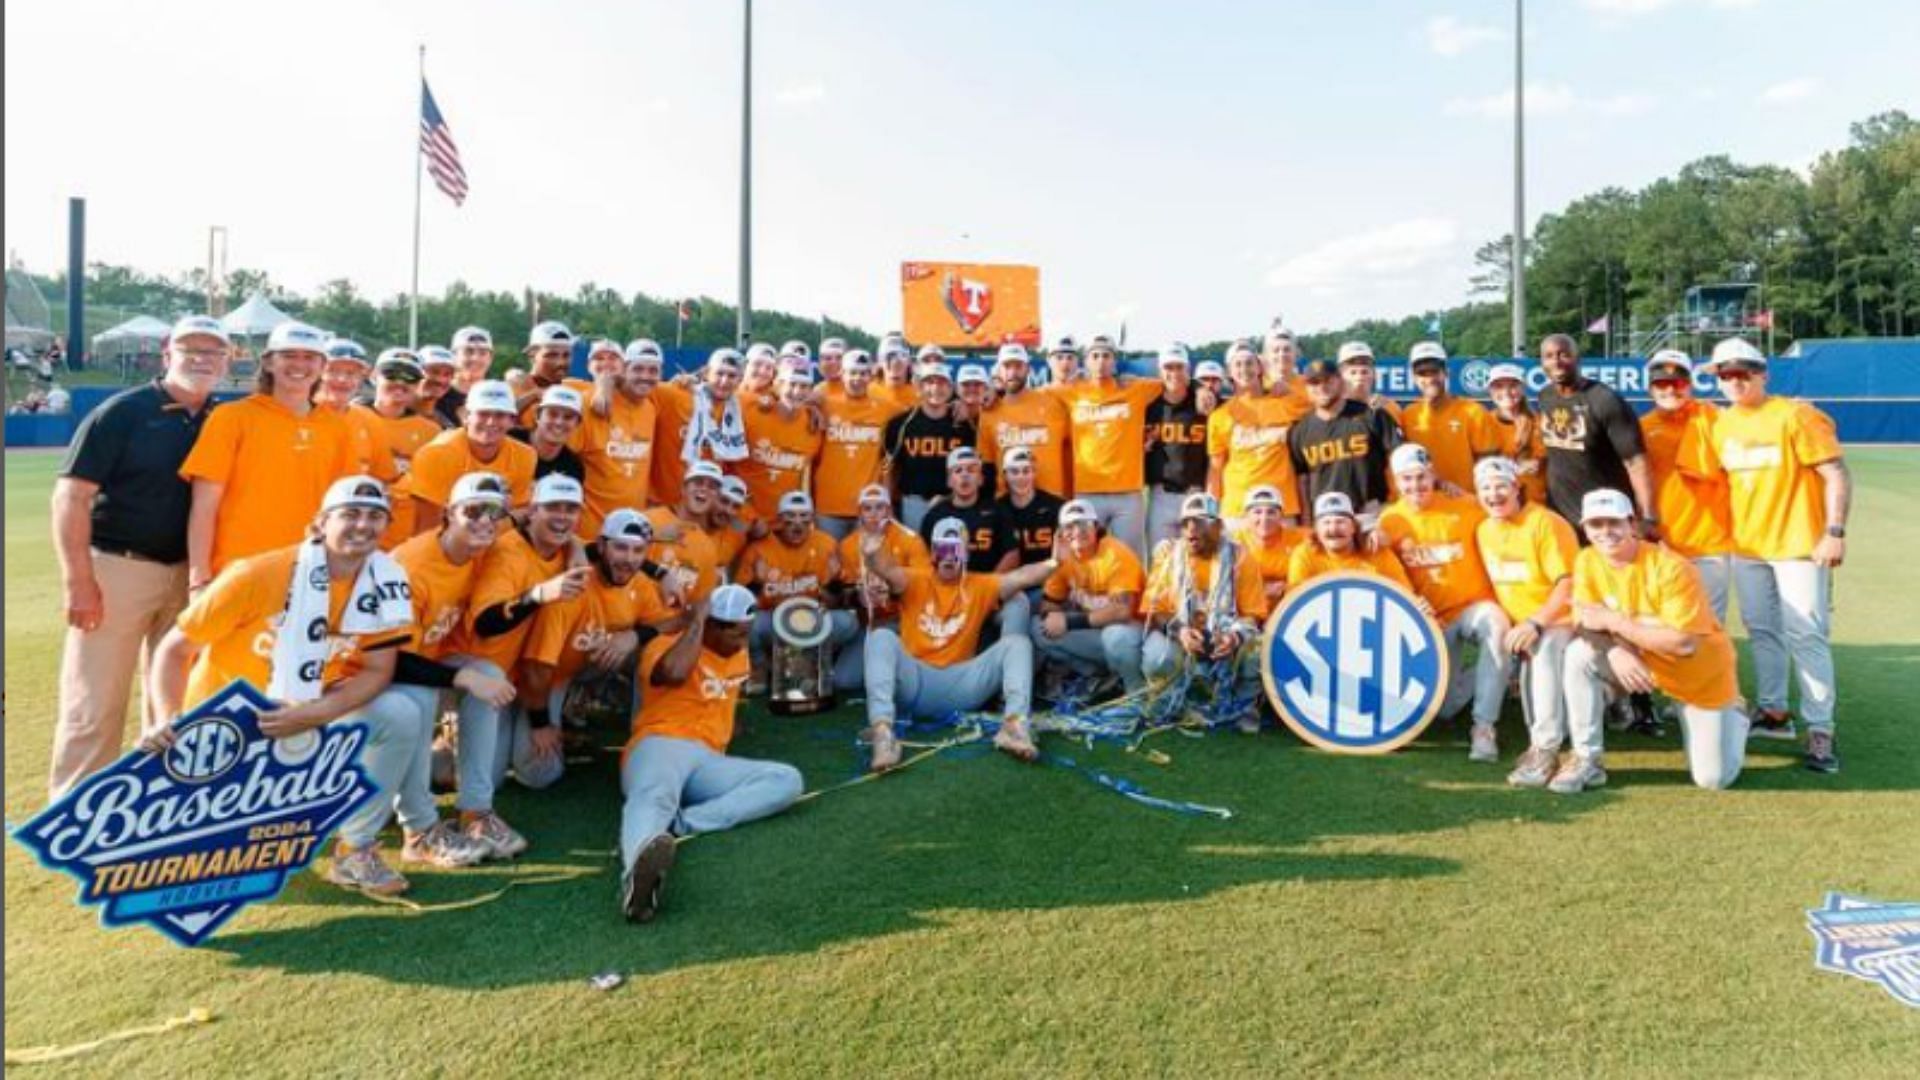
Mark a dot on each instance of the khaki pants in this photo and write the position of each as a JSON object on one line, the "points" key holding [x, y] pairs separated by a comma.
{"points": [[97, 668]]}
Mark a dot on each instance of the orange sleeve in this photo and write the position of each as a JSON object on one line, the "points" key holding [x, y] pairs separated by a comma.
{"points": [[1059, 584], [1683, 598], [1586, 586], [1814, 439], [1299, 566], [650, 659], [1389, 566], [548, 637], [499, 580], [1555, 546], [1130, 577], [1249, 593], [428, 479], [385, 469], [215, 449], [227, 604], [1219, 432]]}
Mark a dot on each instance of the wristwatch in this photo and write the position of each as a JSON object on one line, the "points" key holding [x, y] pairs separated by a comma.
{"points": [[1838, 532]]}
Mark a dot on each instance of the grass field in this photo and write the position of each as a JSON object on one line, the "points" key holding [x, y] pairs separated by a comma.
{"points": [[974, 916]]}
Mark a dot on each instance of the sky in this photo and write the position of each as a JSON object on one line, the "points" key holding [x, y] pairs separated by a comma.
{"points": [[1190, 169]]}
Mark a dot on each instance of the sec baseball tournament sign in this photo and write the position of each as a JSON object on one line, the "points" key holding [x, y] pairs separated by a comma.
{"points": [[1352, 665], [184, 839]]}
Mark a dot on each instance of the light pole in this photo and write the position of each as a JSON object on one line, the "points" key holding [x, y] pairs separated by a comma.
{"points": [[745, 325], [1518, 277]]}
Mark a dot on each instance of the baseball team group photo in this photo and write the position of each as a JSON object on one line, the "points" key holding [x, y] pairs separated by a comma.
{"points": [[1000, 673]]}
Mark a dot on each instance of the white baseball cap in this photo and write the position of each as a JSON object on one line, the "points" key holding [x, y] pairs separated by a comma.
{"points": [[435, 356], [734, 490], [558, 488], [832, 345], [1605, 503], [795, 373], [549, 333], [1495, 468], [472, 335], [961, 455], [1077, 512], [933, 370], [1739, 352], [491, 395], [1332, 504], [797, 348], [346, 349], [1263, 495], [931, 352], [479, 486], [1174, 356], [1667, 359], [1426, 351], [563, 397], [1019, 455], [1355, 350], [973, 373], [705, 470], [892, 348], [1409, 457], [731, 604], [605, 345], [1199, 505], [199, 326], [875, 493], [627, 523], [795, 502], [400, 363], [297, 336], [1209, 369], [1012, 352], [641, 350], [1239, 347], [856, 360], [724, 357], [760, 350], [949, 530], [1505, 372], [1065, 344], [355, 491]]}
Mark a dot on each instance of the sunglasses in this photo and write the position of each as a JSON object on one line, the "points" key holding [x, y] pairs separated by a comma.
{"points": [[483, 511]]}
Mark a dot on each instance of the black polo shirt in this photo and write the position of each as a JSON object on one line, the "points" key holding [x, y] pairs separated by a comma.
{"points": [[132, 446], [1177, 460], [918, 444], [1590, 433], [1033, 525], [988, 538], [1347, 453]]}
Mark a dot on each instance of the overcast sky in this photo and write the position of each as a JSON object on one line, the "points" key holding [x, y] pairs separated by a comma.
{"points": [[1193, 168]]}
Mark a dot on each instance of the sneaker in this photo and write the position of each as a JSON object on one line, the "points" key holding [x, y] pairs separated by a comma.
{"points": [[1821, 757], [1578, 774], [499, 839], [363, 869], [886, 747], [1486, 745], [640, 886], [1249, 722], [1619, 714], [1535, 767], [445, 846], [1014, 740], [1645, 720], [1772, 724], [1053, 683], [756, 685], [446, 765]]}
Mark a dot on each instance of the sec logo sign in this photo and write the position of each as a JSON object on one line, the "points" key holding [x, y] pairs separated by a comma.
{"points": [[1352, 666]]}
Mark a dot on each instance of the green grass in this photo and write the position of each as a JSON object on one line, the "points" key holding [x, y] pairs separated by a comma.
{"points": [[974, 916]]}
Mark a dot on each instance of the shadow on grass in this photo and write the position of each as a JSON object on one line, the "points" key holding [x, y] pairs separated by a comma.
{"points": [[958, 833]]}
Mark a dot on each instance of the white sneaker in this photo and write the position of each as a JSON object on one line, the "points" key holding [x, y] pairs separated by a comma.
{"points": [[1578, 774], [1535, 769], [1486, 745]]}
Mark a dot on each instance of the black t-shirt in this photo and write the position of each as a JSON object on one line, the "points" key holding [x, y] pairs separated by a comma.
{"points": [[1347, 453], [132, 446], [566, 462], [1032, 526], [918, 445], [447, 406], [1178, 458], [1589, 433], [988, 538]]}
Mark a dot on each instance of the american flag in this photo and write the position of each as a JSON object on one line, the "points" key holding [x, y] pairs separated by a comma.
{"points": [[436, 142]]}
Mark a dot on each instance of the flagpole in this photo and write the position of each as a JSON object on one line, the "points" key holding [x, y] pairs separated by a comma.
{"points": [[419, 162], [1518, 274], [744, 328]]}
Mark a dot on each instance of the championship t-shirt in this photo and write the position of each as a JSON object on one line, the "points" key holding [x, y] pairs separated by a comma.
{"points": [[1526, 555], [441, 463], [1110, 571], [917, 444], [1037, 422], [850, 454], [940, 622], [1347, 453], [1440, 551], [1177, 454], [1251, 433], [512, 567], [1108, 429], [1032, 525], [700, 709], [1661, 588], [1310, 560], [780, 450], [1689, 491], [441, 591], [1769, 453], [617, 451], [778, 571], [1456, 433], [567, 632], [988, 538]]}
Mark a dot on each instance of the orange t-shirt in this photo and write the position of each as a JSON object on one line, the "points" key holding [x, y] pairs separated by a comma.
{"points": [[1091, 584], [1526, 556], [901, 544], [940, 623], [1438, 548], [565, 633], [694, 550], [777, 572], [1038, 422], [1272, 558], [276, 468], [850, 453], [1251, 432], [1161, 598], [1661, 588], [729, 541], [512, 566], [1769, 453], [673, 407], [1107, 429], [441, 591], [404, 435], [1456, 433], [441, 463], [236, 620], [1310, 560], [700, 709], [901, 396], [780, 450], [372, 456], [1531, 458], [617, 455], [1690, 492]]}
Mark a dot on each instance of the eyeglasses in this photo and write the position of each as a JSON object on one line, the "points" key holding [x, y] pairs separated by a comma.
{"points": [[201, 354], [1736, 375], [483, 511], [1669, 384]]}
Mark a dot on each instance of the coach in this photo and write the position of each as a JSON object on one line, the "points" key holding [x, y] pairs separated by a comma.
{"points": [[1592, 437], [120, 528]]}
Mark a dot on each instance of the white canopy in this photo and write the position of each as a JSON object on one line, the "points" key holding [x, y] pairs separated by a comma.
{"points": [[140, 326], [256, 316]]}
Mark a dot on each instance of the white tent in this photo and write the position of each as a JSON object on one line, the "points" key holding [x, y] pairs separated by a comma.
{"points": [[255, 317], [138, 328]]}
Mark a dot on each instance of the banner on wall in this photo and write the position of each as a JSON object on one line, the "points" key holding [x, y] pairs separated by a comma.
{"points": [[970, 305]]}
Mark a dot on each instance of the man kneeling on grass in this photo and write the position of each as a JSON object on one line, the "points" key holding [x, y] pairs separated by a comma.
{"points": [[676, 775]]}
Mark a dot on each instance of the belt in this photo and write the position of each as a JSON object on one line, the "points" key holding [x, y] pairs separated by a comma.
{"points": [[136, 556]]}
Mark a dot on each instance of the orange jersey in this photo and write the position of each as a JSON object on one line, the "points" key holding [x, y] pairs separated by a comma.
{"points": [[617, 454], [1163, 597], [512, 566], [1108, 431], [777, 571], [730, 540], [1690, 492], [1310, 560], [1769, 453], [940, 623], [564, 634], [1456, 433], [1439, 549], [372, 456], [899, 395], [276, 468], [1089, 584], [694, 550], [1272, 556], [700, 709], [1037, 422], [441, 591], [780, 451], [901, 544], [1531, 458], [673, 407], [1526, 556], [441, 463], [404, 436], [1251, 433], [1661, 588], [236, 621], [850, 454]]}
